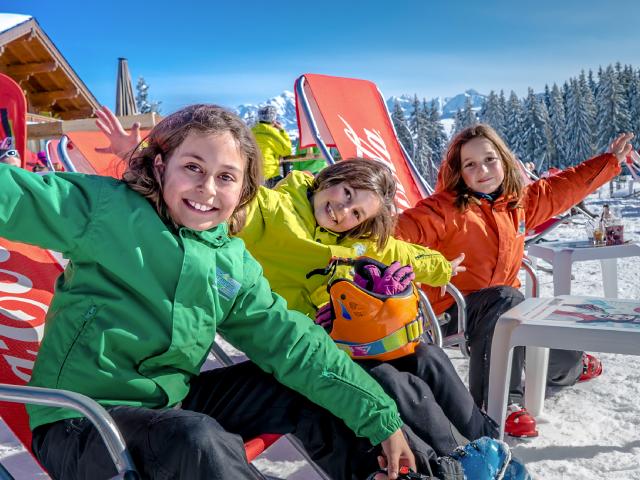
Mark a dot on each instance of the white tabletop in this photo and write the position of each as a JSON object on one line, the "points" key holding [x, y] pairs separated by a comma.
{"points": [[581, 250]]}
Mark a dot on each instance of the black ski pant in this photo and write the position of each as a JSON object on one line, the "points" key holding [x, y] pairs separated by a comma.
{"points": [[203, 439], [484, 307], [431, 397]]}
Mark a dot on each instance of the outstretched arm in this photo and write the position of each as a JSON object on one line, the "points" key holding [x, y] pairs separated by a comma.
{"points": [[121, 143], [430, 266], [550, 196]]}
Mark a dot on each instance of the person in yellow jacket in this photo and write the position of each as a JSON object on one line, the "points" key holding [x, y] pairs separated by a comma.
{"points": [[273, 141], [348, 211]]}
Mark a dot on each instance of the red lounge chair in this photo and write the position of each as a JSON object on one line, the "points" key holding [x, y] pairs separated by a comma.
{"points": [[13, 111]]}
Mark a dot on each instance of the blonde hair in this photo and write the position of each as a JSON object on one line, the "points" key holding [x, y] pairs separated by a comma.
{"points": [[370, 175], [451, 170], [141, 174]]}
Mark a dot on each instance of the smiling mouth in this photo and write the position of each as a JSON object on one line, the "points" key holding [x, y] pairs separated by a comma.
{"points": [[331, 214], [199, 207]]}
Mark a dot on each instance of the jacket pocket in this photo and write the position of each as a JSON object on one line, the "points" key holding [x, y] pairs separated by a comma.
{"points": [[343, 381], [85, 321]]}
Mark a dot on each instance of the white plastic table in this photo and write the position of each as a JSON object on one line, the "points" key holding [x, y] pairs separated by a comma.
{"points": [[562, 255], [565, 322]]}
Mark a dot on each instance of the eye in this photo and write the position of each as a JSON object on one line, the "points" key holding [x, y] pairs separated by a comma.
{"points": [[347, 193], [356, 214], [227, 177], [193, 167], [468, 165], [491, 159]]}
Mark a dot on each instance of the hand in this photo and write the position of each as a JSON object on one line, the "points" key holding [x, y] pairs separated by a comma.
{"points": [[395, 279], [456, 268], [621, 147], [396, 454], [277, 124], [121, 142], [325, 316]]}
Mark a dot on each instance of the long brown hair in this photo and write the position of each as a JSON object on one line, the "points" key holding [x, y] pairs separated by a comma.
{"points": [[141, 174], [451, 170], [364, 174]]}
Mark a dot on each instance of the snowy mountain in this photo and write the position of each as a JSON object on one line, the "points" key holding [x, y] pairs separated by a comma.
{"points": [[285, 104]]}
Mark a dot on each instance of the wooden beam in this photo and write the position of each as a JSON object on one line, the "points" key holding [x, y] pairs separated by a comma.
{"points": [[56, 128], [37, 131], [47, 98], [30, 68]]}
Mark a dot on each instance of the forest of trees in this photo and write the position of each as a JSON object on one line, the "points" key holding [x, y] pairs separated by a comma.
{"points": [[560, 127]]}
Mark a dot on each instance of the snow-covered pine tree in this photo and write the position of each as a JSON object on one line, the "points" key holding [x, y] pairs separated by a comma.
{"points": [[142, 98], [469, 117], [558, 126], [536, 146], [514, 119], [634, 108], [580, 116], [612, 114], [593, 85], [458, 122], [402, 129], [430, 133], [421, 152], [492, 113], [439, 140], [547, 96]]}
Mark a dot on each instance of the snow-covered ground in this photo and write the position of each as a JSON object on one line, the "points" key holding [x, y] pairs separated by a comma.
{"points": [[589, 431]]}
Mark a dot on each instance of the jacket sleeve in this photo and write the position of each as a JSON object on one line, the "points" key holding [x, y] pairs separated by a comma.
{"points": [[550, 196], [303, 357], [51, 211], [423, 224], [430, 267]]}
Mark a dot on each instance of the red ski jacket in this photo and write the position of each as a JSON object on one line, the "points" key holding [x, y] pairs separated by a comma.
{"points": [[490, 234]]}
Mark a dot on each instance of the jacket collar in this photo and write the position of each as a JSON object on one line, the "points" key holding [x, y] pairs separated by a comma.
{"points": [[217, 236]]}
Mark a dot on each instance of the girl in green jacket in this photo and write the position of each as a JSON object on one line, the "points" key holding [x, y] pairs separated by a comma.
{"points": [[152, 276], [347, 211]]}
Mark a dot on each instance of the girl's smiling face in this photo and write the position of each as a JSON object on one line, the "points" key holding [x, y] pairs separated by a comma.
{"points": [[340, 207], [202, 180], [481, 165]]}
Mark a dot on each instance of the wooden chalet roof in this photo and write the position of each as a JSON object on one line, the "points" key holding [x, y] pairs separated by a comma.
{"points": [[51, 86]]}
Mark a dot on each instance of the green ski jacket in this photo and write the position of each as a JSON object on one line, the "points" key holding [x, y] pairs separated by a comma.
{"points": [[137, 308]]}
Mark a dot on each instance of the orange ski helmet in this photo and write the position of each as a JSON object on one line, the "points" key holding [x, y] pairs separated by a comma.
{"points": [[372, 326]]}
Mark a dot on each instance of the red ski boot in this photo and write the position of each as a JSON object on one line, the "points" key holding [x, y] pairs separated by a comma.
{"points": [[519, 422], [591, 368]]}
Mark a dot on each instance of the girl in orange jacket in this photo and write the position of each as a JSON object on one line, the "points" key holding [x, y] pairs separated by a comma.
{"points": [[482, 208]]}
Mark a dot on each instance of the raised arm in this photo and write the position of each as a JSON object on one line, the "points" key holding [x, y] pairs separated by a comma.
{"points": [[52, 211], [550, 196]]}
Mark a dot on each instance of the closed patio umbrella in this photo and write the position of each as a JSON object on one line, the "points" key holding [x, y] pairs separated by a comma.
{"points": [[125, 101]]}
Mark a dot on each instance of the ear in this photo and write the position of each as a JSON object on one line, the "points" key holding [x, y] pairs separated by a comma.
{"points": [[159, 165]]}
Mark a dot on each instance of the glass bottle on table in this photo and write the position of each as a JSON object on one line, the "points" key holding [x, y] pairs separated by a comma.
{"points": [[613, 227]]}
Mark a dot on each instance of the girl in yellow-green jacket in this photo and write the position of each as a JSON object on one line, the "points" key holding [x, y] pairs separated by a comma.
{"points": [[348, 211]]}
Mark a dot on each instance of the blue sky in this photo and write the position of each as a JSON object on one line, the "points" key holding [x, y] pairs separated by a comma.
{"points": [[244, 51]]}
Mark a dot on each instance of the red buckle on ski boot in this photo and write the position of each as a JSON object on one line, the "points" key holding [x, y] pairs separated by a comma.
{"points": [[405, 473], [591, 368], [520, 423]]}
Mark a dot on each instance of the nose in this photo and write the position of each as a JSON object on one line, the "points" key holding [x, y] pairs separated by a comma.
{"points": [[341, 211], [208, 185]]}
